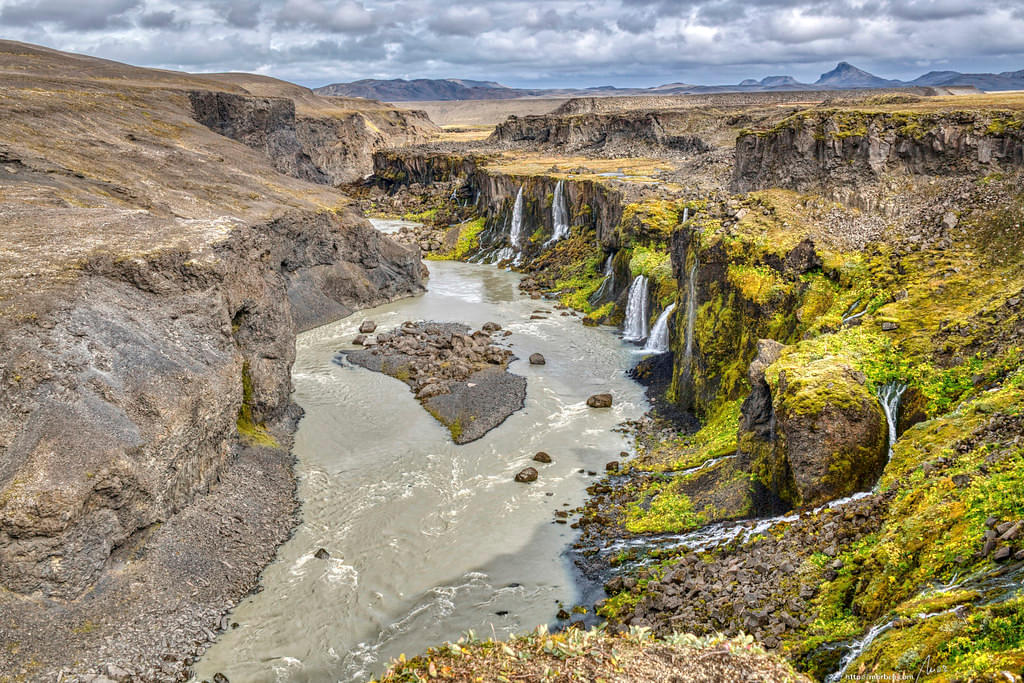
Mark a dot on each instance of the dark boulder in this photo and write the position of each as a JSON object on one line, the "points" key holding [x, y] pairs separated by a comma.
{"points": [[600, 401], [527, 475]]}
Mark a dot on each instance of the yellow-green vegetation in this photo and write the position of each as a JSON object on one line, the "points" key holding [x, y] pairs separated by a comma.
{"points": [[578, 280], [663, 510], [592, 655], [426, 216], [251, 431], [468, 242], [657, 218]]}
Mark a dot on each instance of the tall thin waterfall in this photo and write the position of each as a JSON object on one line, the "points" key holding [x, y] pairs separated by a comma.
{"points": [[607, 284], [686, 214], [559, 215], [516, 231], [889, 396], [635, 329], [658, 341], [691, 315]]}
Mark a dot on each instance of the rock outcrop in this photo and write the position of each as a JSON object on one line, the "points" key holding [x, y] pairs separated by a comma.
{"points": [[624, 133], [459, 376], [831, 148], [822, 437]]}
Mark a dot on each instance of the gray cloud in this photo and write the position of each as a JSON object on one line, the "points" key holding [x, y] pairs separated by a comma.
{"points": [[69, 15], [525, 43]]}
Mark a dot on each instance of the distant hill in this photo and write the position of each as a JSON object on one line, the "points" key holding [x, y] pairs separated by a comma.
{"points": [[844, 76], [401, 90]]}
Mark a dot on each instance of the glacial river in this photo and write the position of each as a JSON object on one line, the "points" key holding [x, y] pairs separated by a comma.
{"points": [[428, 539]]}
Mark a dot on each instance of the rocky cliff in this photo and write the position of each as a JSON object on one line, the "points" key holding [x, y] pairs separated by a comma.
{"points": [[154, 276], [320, 141], [608, 133], [822, 149]]}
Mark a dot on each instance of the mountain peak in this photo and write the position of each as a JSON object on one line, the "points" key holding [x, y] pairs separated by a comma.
{"points": [[846, 75]]}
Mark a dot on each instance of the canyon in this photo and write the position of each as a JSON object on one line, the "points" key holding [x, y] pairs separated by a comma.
{"points": [[806, 307]]}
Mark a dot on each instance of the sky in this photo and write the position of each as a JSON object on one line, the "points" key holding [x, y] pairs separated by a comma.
{"points": [[557, 43]]}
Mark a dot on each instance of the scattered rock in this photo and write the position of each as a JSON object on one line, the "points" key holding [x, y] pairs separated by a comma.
{"points": [[220, 678], [541, 456], [322, 554], [600, 401], [537, 359], [367, 327], [491, 327], [612, 466], [359, 340], [888, 326], [1002, 554], [527, 475]]}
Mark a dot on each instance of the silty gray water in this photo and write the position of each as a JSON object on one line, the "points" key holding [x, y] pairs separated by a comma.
{"points": [[428, 539]]}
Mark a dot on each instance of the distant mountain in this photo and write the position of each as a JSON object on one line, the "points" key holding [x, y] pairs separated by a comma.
{"points": [[844, 76], [401, 90], [1008, 80]]}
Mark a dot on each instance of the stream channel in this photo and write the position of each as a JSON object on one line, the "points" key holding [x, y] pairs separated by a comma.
{"points": [[428, 539]]}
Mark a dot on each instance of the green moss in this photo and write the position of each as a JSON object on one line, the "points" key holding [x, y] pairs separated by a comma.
{"points": [[251, 431], [421, 217], [469, 239], [665, 511]]}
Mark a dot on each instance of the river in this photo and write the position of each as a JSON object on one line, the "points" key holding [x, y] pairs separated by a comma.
{"points": [[428, 539]]}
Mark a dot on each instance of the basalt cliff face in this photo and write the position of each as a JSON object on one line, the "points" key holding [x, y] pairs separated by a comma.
{"points": [[154, 276], [832, 148]]}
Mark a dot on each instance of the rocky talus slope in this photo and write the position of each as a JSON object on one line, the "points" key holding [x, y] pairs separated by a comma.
{"points": [[847, 329], [154, 275]]}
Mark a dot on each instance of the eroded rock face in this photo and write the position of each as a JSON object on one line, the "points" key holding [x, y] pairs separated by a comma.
{"points": [[459, 377], [121, 404], [822, 436], [811, 150]]}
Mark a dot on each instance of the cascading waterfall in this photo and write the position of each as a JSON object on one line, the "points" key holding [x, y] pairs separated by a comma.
{"points": [[686, 214], [515, 233], [658, 341], [691, 314], [559, 215], [635, 329], [889, 396]]}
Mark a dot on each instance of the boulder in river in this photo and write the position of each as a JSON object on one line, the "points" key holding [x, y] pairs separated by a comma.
{"points": [[537, 359], [367, 327], [542, 457], [600, 401], [527, 475], [491, 327], [359, 340], [322, 554]]}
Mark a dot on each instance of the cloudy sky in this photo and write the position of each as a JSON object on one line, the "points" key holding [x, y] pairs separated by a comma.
{"points": [[532, 44]]}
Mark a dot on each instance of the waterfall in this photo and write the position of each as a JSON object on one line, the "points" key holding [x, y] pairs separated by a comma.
{"points": [[559, 215], [516, 231], [857, 649], [686, 214], [658, 341], [607, 284], [635, 329], [889, 396], [691, 315]]}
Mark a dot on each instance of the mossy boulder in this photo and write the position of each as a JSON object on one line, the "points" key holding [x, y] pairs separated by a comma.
{"points": [[828, 438]]}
